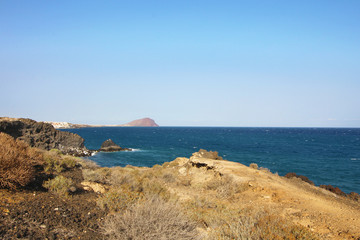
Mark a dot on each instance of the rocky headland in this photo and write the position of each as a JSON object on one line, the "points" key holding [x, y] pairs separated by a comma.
{"points": [[44, 136]]}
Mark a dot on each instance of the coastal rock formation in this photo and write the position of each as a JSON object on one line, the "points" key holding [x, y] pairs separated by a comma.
{"points": [[207, 154], [144, 122], [110, 146], [44, 136]]}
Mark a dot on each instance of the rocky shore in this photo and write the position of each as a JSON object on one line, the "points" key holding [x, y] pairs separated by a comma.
{"points": [[44, 136]]}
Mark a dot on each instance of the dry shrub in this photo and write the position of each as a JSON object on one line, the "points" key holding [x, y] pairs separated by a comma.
{"points": [[169, 178], [242, 228], [152, 220], [99, 175], [59, 185], [254, 225], [304, 178], [127, 177], [17, 162], [225, 186], [275, 227], [155, 188], [117, 200], [86, 163]]}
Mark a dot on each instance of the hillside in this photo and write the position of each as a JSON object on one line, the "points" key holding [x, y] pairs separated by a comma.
{"points": [[201, 197]]}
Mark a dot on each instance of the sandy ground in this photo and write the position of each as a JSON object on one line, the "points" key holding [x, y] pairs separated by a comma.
{"points": [[323, 212]]}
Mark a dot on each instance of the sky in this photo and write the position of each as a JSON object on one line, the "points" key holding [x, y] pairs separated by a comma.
{"points": [[183, 63]]}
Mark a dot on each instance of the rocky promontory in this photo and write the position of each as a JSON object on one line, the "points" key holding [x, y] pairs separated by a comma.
{"points": [[44, 136]]}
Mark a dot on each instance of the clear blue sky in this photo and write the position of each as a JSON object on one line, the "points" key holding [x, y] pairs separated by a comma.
{"points": [[182, 63]]}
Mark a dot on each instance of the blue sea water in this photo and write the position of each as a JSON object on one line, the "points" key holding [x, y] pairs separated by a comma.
{"points": [[325, 155]]}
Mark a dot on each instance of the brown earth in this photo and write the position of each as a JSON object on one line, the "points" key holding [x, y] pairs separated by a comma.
{"points": [[323, 212], [30, 214]]}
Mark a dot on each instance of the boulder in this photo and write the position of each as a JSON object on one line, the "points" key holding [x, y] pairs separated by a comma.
{"points": [[110, 146], [207, 154]]}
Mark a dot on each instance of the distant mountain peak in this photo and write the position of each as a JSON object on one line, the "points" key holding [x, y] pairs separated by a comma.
{"points": [[143, 122]]}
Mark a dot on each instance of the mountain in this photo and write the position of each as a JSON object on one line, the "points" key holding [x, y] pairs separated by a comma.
{"points": [[144, 122]]}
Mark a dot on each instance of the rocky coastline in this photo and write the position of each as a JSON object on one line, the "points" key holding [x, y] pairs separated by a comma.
{"points": [[44, 136]]}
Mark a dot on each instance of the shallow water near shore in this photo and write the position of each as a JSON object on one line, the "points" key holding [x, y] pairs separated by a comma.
{"points": [[325, 155]]}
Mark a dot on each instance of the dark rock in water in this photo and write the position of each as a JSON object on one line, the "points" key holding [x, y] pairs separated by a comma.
{"points": [[44, 136], [110, 146], [304, 178]]}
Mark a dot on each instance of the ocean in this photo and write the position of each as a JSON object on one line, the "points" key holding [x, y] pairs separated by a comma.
{"points": [[324, 155]]}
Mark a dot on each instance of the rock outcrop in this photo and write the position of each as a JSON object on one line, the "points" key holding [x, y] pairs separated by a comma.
{"points": [[207, 154], [110, 146], [144, 122], [44, 136]]}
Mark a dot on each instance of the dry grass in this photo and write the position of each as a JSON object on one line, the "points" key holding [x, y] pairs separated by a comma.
{"points": [[99, 175], [225, 186], [117, 200], [17, 162], [152, 220]]}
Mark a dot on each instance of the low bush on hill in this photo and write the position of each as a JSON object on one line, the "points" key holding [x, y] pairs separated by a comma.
{"points": [[56, 162], [118, 199], [59, 185], [17, 162], [152, 220]]}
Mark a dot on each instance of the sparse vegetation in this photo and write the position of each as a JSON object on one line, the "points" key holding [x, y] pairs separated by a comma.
{"points": [[17, 162], [179, 200], [117, 200], [59, 185], [152, 220], [56, 162]]}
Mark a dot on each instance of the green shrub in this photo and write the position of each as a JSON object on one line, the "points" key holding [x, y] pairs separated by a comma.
{"points": [[58, 163], [17, 162], [59, 185], [152, 220]]}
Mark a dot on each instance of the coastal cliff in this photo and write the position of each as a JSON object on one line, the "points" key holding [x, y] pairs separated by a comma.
{"points": [[43, 136]]}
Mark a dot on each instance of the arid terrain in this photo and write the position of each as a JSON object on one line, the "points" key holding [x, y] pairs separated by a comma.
{"points": [[46, 194], [224, 200]]}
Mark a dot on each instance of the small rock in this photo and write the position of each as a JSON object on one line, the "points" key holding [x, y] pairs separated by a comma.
{"points": [[96, 187], [43, 226], [72, 189]]}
